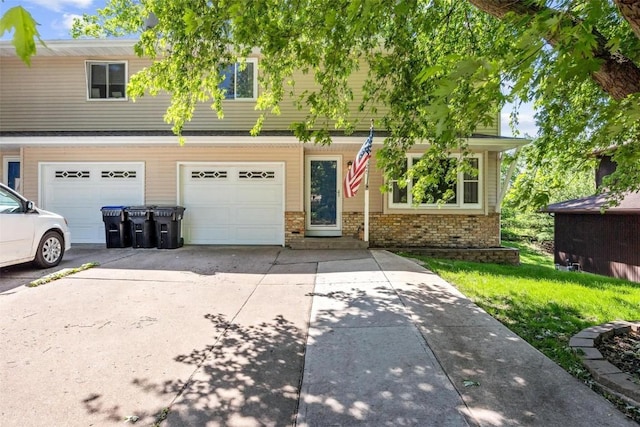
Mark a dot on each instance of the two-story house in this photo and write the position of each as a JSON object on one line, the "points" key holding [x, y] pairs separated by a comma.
{"points": [[74, 142]]}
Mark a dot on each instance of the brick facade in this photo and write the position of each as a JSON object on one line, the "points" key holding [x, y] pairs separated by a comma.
{"points": [[352, 222], [426, 230], [509, 256], [293, 227], [463, 237]]}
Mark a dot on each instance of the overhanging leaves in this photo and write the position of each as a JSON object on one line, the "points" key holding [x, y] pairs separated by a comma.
{"points": [[24, 32], [437, 70]]}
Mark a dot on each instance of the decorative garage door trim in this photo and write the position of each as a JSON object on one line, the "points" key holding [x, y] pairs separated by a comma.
{"points": [[239, 203], [78, 190]]}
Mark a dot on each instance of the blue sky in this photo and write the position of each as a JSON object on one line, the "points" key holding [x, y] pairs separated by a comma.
{"points": [[56, 17]]}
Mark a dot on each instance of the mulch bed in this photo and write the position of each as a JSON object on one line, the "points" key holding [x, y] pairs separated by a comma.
{"points": [[623, 351]]}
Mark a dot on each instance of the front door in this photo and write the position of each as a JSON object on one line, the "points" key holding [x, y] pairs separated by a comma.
{"points": [[323, 196], [12, 172]]}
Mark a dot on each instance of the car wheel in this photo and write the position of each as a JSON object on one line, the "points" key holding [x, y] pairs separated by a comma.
{"points": [[50, 250]]}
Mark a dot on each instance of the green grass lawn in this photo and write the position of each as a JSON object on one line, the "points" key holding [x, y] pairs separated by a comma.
{"points": [[542, 305]]}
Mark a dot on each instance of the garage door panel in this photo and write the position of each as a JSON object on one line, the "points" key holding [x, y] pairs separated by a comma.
{"points": [[61, 193], [90, 233], [207, 235], [232, 235], [82, 214], [209, 192], [257, 235], [268, 215], [243, 204], [126, 193], [78, 191], [206, 216], [258, 194]]}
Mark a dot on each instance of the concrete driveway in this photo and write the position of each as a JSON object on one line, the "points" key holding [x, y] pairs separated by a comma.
{"points": [[246, 336], [125, 338]]}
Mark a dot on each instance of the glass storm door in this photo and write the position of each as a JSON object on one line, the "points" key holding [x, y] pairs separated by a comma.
{"points": [[323, 196]]}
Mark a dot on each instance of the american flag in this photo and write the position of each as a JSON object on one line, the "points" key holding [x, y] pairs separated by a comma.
{"points": [[356, 171]]}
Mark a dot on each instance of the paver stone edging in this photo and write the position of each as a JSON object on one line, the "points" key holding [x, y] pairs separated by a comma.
{"points": [[605, 374]]}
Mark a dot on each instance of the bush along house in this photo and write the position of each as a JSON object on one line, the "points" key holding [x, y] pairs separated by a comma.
{"points": [[77, 143]]}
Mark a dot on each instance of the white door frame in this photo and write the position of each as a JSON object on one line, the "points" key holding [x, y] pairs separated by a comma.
{"points": [[323, 230]]}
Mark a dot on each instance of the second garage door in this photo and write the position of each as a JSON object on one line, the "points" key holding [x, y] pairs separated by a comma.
{"points": [[233, 203]]}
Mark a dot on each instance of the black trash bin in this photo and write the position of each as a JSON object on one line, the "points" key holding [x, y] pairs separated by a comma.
{"points": [[143, 232], [168, 224], [116, 226]]}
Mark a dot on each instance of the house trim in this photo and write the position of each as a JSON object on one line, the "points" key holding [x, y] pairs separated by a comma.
{"points": [[476, 144]]}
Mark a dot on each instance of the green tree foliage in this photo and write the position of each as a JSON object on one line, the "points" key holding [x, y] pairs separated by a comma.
{"points": [[18, 20], [441, 68], [524, 222]]}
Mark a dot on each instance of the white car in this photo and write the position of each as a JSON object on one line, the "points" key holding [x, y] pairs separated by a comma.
{"points": [[30, 234]]}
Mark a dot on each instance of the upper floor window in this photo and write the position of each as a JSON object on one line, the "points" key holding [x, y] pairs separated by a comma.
{"points": [[241, 80], [106, 80], [464, 192]]}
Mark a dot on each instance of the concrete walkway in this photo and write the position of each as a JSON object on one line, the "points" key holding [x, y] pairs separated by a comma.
{"points": [[270, 337], [392, 344]]}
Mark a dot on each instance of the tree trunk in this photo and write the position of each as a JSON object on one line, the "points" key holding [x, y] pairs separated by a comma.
{"points": [[618, 75], [630, 10]]}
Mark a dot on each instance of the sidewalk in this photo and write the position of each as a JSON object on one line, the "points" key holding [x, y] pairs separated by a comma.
{"points": [[393, 344]]}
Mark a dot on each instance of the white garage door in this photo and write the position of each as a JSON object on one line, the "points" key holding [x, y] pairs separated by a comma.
{"points": [[79, 190], [231, 203]]}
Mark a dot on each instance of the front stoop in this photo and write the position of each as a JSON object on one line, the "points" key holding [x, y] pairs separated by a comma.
{"points": [[329, 243], [606, 375]]}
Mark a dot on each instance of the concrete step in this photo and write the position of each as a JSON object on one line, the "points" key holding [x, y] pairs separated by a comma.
{"points": [[329, 243]]}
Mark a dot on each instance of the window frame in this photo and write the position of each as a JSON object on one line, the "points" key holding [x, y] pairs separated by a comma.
{"points": [[254, 87], [459, 203], [88, 63]]}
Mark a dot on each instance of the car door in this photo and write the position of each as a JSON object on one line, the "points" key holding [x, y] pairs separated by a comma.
{"points": [[17, 228]]}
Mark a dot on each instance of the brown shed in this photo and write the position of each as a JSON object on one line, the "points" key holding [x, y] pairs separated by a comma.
{"points": [[601, 242]]}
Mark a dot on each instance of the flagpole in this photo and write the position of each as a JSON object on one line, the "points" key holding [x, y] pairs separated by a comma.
{"points": [[359, 170], [366, 204], [366, 192]]}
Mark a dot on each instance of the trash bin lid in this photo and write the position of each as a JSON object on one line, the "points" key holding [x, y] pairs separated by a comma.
{"points": [[169, 211], [139, 211], [112, 210], [140, 208]]}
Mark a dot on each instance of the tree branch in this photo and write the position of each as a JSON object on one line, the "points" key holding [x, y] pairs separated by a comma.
{"points": [[618, 75]]}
